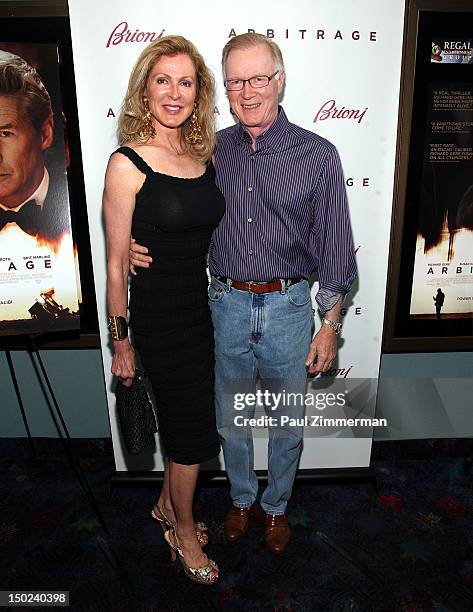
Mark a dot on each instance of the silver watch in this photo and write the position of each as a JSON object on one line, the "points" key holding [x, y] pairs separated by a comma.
{"points": [[337, 327]]}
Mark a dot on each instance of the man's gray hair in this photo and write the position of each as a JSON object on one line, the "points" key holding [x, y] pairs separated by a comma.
{"points": [[18, 78], [251, 39]]}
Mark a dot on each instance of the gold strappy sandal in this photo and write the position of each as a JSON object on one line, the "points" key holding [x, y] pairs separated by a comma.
{"points": [[200, 528], [206, 574]]}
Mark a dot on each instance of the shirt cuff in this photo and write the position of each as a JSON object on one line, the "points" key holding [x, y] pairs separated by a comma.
{"points": [[326, 299]]}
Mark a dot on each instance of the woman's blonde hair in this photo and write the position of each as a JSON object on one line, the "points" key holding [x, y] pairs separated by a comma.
{"points": [[130, 122]]}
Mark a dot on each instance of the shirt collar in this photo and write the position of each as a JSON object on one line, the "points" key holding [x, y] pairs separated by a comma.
{"points": [[39, 195], [271, 138]]}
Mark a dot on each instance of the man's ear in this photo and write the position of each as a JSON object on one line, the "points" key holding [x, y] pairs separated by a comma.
{"points": [[47, 133], [281, 80]]}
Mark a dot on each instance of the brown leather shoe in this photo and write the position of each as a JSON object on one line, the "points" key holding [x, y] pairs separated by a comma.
{"points": [[236, 523], [278, 532]]}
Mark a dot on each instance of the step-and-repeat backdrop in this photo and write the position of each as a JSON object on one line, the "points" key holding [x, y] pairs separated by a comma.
{"points": [[343, 61]]}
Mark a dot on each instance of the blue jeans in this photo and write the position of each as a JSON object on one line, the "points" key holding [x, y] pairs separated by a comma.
{"points": [[267, 335]]}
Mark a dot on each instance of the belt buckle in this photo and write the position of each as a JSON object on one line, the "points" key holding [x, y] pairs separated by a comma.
{"points": [[249, 287]]}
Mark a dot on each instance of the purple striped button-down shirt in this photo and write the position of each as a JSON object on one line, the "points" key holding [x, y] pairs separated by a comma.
{"points": [[287, 212]]}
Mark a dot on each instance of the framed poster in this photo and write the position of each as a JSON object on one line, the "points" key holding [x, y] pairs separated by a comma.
{"points": [[429, 304], [46, 279]]}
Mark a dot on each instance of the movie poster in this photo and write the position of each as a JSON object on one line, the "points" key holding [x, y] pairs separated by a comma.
{"points": [[443, 270], [39, 282]]}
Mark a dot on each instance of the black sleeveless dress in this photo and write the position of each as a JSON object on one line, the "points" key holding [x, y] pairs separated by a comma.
{"points": [[169, 313]]}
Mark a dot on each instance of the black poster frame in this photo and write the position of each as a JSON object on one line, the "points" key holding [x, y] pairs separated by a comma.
{"points": [[424, 20], [37, 25]]}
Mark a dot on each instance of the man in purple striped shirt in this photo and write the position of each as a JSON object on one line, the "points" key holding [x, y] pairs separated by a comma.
{"points": [[286, 217]]}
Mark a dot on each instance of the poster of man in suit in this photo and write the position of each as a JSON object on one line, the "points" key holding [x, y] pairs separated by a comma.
{"points": [[39, 282]]}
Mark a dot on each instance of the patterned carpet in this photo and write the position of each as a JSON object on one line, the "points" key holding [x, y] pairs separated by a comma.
{"points": [[407, 547]]}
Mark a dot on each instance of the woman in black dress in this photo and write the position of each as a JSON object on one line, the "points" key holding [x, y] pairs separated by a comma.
{"points": [[159, 187]]}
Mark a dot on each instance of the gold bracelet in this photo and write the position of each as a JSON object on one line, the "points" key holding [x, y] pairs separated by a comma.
{"points": [[118, 327]]}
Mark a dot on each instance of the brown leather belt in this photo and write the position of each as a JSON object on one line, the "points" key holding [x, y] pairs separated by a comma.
{"points": [[260, 287]]}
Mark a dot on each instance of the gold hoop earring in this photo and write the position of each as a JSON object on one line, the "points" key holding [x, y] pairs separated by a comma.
{"points": [[194, 131], [147, 130]]}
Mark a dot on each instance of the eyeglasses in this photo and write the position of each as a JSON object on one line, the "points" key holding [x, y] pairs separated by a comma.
{"points": [[256, 82]]}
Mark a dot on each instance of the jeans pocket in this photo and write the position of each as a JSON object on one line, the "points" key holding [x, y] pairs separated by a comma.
{"points": [[215, 292], [299, 294]]}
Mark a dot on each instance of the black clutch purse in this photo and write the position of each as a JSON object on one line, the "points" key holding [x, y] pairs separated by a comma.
{"points": [[136, 416]]}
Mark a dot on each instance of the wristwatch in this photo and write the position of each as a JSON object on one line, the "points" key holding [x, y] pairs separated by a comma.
{"points": [[337, 327]]}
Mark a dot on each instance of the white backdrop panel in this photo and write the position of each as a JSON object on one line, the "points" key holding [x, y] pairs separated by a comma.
{"points": [[343, 54]]}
